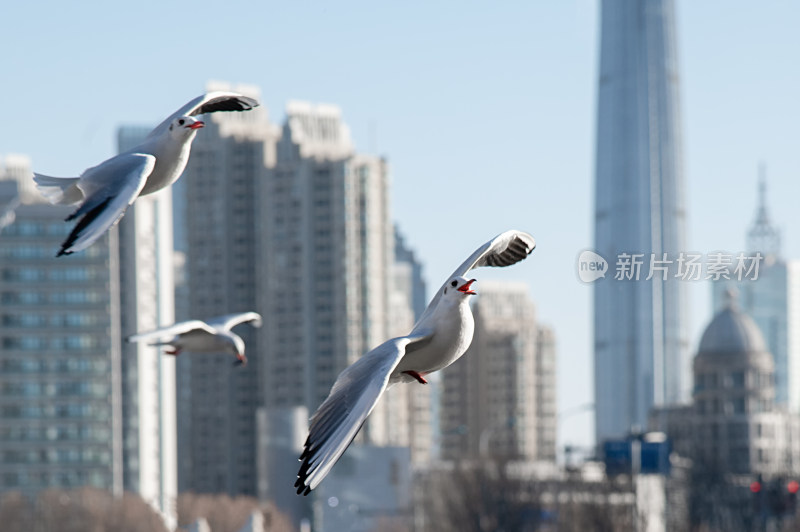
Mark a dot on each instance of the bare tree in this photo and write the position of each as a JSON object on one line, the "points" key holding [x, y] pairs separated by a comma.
{"points": [[480, 497], [15, 512], [717, 503], [225, 514], [81, 510]]}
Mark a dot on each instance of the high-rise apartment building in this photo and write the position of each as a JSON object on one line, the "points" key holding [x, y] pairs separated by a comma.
{"points": [[147, 298], [545, 394], [329, 251], [499, 398], [60, 370], [413, 284], [221, 226], [641, 345]]}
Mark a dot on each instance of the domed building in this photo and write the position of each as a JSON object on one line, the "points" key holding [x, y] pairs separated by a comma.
{"points": [[733, 424], [737, 427]]}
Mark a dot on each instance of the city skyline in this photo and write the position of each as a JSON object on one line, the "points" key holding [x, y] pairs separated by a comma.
{"points": [[535, 100]]}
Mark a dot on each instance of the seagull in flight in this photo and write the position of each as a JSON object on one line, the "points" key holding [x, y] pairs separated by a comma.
{"points": [[105, 191], [211, 336], [442, 334]]}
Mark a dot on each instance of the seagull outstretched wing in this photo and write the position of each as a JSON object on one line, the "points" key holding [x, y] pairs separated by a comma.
{"points": [[353, 396]]}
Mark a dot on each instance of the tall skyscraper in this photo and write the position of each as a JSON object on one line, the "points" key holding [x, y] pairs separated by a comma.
{"points": [[60, 374], [499, 398], [147, 298], [772, 300], [641, 345], [222, 187], [329, 250]]}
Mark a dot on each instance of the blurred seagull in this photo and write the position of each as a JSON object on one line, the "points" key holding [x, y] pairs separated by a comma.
{"points": [[212, 336], [442, 334], [105, 191]]}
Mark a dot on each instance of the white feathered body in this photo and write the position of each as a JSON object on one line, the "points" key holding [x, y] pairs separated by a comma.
{"points": [[171, 158], [199, 341], [453, 329]]}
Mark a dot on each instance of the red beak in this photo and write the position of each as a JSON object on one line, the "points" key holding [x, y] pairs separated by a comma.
{"points": [[197, 125], [465, 287]]}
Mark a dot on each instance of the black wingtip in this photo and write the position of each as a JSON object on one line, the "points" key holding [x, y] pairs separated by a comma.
{"points": [[84, 222], [302, 489], [227, 103]]}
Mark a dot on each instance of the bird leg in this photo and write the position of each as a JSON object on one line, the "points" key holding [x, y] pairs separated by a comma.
{"points": [[420, 378], [175, 352]]}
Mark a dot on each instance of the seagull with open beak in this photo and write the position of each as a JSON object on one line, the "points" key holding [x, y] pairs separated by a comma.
{"points": [[442, 334]]}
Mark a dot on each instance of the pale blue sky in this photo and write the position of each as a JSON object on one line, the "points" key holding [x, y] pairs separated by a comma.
{"points": [[485, 112]]}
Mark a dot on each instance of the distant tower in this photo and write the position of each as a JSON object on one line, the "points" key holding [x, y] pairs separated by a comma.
{"points": [[640, 327], [763, 236], [771, 299]]}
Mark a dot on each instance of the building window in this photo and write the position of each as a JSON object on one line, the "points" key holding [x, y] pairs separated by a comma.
{"points": [[699, 383], [738, 405]]}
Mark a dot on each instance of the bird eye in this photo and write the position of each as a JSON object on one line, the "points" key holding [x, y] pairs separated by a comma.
{"points": [[454, 283], [181, 121]]}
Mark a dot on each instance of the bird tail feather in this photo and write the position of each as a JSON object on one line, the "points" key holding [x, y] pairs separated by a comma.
{"points": [[58, 190]]}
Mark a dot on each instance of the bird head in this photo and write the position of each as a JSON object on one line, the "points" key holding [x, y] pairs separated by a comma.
{"points": [[236, 346], [185, 127], [459, 286]]}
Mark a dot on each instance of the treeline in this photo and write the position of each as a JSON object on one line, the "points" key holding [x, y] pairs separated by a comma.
{"points": [[94, 510]]}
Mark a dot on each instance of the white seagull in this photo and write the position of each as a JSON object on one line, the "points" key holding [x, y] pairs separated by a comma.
{"points": [[105, 191], [442, 334], [211, 336]]}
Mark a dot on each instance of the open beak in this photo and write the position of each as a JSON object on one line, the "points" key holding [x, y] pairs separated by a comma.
{"points": [[465, 287], [197, 125]]}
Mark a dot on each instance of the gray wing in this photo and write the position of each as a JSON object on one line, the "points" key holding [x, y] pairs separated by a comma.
{"points": [[109, 188], [172, 330], [353, 396], [230, 321], [208, 103], [503, 250]]}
